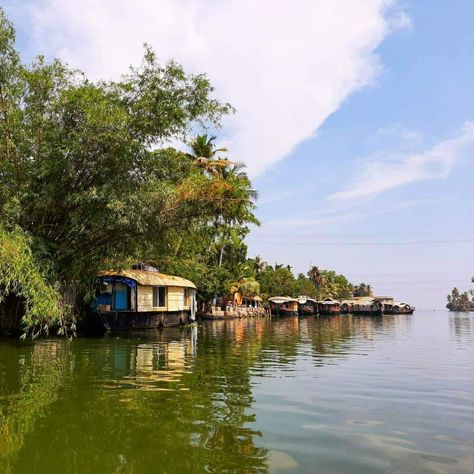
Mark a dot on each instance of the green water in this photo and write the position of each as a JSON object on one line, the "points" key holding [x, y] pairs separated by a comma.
{"points": [[340, 394]]}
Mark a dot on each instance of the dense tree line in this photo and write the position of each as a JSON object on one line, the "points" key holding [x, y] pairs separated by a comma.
{"points": [[279, 279]]}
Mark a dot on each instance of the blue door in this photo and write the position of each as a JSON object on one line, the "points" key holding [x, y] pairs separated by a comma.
{"points": [[121, 300]]}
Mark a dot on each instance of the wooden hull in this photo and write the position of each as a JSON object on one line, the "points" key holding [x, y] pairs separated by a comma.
{"points": [[329, 309], [283, 312], [116, 320], [410, 311]]}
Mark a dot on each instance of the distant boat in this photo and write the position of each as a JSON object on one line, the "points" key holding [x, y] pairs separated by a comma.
{"points": [[365, 305], [307, 306], [398, 308], [375, 305], [329, 307], [283, 306], [142, 299]]}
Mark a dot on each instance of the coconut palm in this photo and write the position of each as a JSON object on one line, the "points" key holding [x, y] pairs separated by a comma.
{"points": [[258, 264], [316, 276], [204, 153]]}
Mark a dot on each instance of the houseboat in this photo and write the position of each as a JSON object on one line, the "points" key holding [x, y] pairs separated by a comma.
{"points": [[143, 298], [307, 306], [367, 306], [328, 307], [346, 306], [283, 306], [398, 308]]}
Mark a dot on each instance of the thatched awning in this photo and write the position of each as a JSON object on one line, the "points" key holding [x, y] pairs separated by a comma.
{"points": [[282, 299], [151, 278]]}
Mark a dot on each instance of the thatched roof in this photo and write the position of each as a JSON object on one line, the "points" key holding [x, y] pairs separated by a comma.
{"points": [[252, 298], [151, 278], [282, 299]]}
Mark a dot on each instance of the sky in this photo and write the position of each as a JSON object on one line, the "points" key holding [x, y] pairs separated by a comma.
{"points": [[355, 119]]}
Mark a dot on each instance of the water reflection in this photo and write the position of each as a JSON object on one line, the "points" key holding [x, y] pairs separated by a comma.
{"points": [[461, 326], [224, 396]]}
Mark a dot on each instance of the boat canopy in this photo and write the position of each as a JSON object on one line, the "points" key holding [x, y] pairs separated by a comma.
{"points": [[282, 299], [303, 299], [150, 278], [329, 301]]}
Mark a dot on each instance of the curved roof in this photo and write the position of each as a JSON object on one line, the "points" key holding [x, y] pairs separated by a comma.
{"points": [[302, 299], [282, 299], [151, 278]]}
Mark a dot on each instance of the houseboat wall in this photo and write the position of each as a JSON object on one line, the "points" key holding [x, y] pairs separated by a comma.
{"points": [[373, 308], [123, 302], [176, 299], [280, 306], [328, 308], [307, 306], [398, 308]]}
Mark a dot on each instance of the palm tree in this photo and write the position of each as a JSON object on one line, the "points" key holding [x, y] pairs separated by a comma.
{"points": [[258, 264], [231, 178], [316, 276], [204, 153], [204, 147]]}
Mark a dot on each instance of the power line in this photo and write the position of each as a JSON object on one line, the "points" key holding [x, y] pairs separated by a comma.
{"points": [[362, 244], [364, 235]]}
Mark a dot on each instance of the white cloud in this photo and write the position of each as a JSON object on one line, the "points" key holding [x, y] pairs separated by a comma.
{"points": [[330, 216], [398, 132], [285, 65], [379, 176]]}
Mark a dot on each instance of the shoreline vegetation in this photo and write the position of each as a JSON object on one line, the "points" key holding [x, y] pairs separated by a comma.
{"points": [[89, 182]]}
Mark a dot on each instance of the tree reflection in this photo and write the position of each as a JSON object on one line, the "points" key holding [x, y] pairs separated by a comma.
{"points": [[461, 326]]}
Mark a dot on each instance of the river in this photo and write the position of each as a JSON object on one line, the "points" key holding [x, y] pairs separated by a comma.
{"points": [[343, 394]]}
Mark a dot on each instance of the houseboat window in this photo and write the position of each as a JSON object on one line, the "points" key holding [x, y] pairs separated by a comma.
{"points": [[159, 296]]}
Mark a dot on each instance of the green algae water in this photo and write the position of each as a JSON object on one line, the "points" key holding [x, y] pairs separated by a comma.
{"points": [[340, 394]]}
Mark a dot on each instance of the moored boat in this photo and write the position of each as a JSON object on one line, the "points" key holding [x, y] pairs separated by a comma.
{"points": [[283, 306], [328, 307], [142, 299], [307, 306], [398, 308], [364, 306]]}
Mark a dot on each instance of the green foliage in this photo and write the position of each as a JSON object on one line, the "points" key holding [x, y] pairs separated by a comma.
{"points": [[320, 284], [246, 287], [38, 304], [278, 280], [460, 301], [86, 175], [304, 286], [335, 286]]}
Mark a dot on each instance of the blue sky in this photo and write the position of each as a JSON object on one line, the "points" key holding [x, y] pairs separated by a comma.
{"points": [[423, 96], [355, 119]]}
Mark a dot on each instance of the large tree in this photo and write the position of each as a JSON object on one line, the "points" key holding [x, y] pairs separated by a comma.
{"points": [[86, 177]]}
